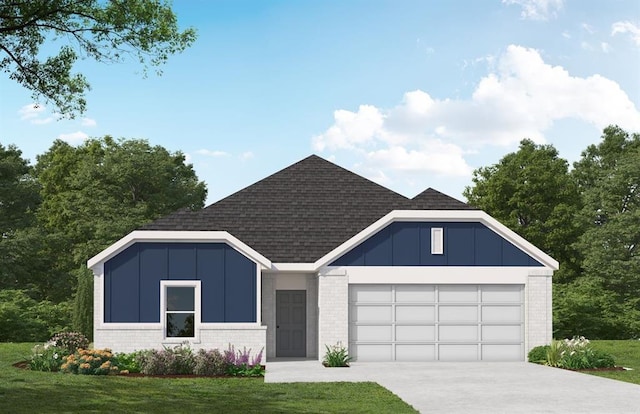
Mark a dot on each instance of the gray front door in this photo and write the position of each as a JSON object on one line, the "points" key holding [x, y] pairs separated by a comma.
{"points": [[291, 323]]}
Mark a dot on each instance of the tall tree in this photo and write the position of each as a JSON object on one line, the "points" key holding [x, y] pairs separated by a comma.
{"points": [[609, 175], [106, 31], [19, 196], [531, 192], [97, 192]]}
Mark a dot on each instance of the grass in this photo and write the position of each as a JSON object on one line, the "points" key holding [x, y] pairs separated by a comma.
{"points": [[24, 391], [627, 354]]}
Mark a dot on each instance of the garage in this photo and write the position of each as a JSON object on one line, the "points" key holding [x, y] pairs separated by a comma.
{"points": [[411, 322]]}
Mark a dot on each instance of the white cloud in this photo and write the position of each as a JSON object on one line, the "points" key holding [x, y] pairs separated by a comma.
{"points": [[246, 155], [606, 47], [566, 35], [537, 9], [588, 28], [627, 27], [210, 153], [521, 97], [74, 137], [34, 114], [88, 122]]}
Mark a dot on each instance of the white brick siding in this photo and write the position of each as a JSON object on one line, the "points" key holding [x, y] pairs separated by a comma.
{"points": [[539, 310], [333, 308], [129, 340]]}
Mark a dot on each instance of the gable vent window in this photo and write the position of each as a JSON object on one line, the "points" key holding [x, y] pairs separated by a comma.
{"points": [[437, 240]]}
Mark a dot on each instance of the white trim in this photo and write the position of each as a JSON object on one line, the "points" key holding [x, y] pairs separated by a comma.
{"points": [[440, 216], [164, 284], [441, 275], [437, 240], [291, 267], [178, 237]]}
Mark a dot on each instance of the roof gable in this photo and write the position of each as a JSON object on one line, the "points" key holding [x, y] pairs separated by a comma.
{"points": [[304, 211]]}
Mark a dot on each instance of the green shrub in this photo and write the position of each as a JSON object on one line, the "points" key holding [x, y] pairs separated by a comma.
{"points": [[538, 355], [23, 319], [47, 358], [576, 353], [128, 363], [90, 362], [336, 356], [178, 360], [211, 363]]}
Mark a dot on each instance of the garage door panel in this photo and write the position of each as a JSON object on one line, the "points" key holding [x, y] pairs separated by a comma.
{"points": [[411, 293], [501, 313], [506, 333], [373, 352], [458, 313], [373, 313], [457, 293], [417, 353], [491, 352], [373, 293], [458, 333], [412, 333], [451, 352], [502, 294], [406, 313], [372, 333]]}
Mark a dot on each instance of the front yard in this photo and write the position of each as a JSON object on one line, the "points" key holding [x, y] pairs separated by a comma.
{"points": [[24, 391], [627, 354]]}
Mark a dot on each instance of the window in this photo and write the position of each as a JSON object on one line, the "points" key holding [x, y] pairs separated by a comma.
{"points": [[437, 243], [181, 308]]}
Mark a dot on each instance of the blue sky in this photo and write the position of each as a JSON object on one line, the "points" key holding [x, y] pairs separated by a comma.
{"points": [[411, 94]]}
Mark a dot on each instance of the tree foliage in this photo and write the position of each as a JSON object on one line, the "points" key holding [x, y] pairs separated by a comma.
{"points": [[106, 31], [531, 192], [19, 196], [91, 196], [588, 218]]}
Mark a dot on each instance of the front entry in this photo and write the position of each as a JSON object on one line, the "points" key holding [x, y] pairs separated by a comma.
{"points": [[291, 323]]}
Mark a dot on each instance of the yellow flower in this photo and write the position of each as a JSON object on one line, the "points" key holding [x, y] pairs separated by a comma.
{"points": [[85, 366]]}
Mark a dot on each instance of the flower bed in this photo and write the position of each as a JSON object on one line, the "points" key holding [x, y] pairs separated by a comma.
{"points": [[575, 354], [68, 354]]}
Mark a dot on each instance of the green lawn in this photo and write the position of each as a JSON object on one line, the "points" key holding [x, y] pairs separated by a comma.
{"points": [[24, 391], [627, 354]]}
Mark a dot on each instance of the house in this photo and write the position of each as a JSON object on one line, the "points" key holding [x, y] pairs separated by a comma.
{"points": [[315, 255]]}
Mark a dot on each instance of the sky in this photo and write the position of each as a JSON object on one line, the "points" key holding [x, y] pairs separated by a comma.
{"points": [[410, 94]]}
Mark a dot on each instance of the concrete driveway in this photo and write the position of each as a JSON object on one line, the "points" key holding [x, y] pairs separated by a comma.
{"points": [[476, 387]]}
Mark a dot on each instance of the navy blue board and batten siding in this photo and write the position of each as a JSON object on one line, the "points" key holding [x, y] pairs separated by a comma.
{"points": [[132, 281], [409, 244]]}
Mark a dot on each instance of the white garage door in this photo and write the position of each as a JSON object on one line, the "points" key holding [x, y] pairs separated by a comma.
{"points": [[436, 322]]}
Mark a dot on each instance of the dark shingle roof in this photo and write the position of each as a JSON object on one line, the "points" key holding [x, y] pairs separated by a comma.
{"points": [[302, 212]]}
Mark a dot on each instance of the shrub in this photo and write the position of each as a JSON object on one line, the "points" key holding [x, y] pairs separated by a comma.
{"points": [[128, 362], [211, 363], [90, 362], [575, 353], [178, 360], [71, 341], [336, 356], [23, 319], [538, 355], [240, 363], [47, 358]]}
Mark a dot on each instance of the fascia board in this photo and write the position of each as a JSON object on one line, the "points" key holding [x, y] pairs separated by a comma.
{"points": [[141, 236], [442, 216]]}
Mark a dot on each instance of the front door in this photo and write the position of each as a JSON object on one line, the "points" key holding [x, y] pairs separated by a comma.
{"points": [[291, 323]]}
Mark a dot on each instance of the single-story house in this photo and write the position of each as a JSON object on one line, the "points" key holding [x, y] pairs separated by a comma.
{"points": [[316, 255]]}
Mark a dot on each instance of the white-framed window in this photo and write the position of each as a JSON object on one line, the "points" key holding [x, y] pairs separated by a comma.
{"points": [[437, 240], [180, 307]]}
